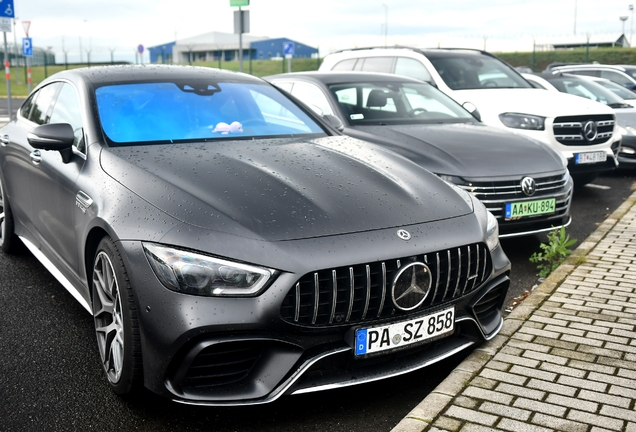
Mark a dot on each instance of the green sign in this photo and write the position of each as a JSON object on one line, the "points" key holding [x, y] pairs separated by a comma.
{"points": [[239, 3]]}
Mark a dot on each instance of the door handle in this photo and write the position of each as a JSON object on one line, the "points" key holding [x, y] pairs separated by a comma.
{"points": [[36, 157], [4, 140]]}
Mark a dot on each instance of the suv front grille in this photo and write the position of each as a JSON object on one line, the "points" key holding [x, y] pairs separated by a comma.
{"points": [[495, 195], [583, 129], [361, 293]]}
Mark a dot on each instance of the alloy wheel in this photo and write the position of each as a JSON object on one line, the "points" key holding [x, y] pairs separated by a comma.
{"points": [[109, 322]]}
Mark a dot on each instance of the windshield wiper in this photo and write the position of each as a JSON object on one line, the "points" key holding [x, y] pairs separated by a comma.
{"points": [[619, 105]]}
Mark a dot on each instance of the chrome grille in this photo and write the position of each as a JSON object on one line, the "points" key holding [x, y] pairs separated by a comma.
{"points": [[361, 293], [494, 195], [570, 130]]}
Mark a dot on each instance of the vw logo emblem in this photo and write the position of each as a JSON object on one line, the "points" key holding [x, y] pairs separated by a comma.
{"points": [[404, 234], [411, 285], [590, 131], [528, 186]]}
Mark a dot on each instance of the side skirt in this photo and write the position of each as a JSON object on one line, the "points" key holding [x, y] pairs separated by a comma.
{"points": [[57, 274]]}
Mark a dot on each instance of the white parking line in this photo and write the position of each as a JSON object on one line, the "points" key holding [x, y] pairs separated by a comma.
{"points": [[603, 187]]}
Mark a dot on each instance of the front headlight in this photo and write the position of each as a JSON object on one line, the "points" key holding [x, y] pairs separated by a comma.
{"points": [[522, 121], [193, 273], [629, 130], [492, 232]]}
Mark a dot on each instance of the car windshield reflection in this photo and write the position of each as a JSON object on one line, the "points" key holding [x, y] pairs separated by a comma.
{"points": [[177, 111], [467, 72]]}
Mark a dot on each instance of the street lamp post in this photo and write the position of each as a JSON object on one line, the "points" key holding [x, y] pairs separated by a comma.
{"points": [[386, 22], [623, 19], [631, 24]]}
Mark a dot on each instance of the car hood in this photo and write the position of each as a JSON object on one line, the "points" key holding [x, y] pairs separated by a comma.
{"points": [[284, 189], [491, 103], [626, 116], [469, 150]]}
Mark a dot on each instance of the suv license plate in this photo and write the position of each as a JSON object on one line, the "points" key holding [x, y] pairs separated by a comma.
{"points": [[591, 157], [381, 338], [530, 208]]}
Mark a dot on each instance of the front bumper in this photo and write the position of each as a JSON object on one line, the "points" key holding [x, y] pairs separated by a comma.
{"points": [[240, 351], [627, 153]]}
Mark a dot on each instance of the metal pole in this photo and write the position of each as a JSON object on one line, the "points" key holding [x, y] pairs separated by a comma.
{"points": [[534, 49], [15, 55], [386, 22], [574, 17], [240, 40], [7, 72], [28, 66], [631, 25]]}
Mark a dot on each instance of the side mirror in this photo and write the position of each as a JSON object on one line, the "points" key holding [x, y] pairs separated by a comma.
{"points": [[471, 108], [54, 137], [334, 122]]}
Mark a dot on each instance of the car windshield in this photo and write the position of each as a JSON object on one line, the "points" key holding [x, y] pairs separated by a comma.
{"points": [[175, 111], [588, 89], [461, 72], [396, 103], [617, 89]]}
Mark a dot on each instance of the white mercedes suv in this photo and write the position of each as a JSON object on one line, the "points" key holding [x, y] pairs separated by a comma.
{"points": [[584, 131]]}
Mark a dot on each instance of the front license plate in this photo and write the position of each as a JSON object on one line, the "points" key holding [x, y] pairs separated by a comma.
{"points": [[530, 208], [591, 157], [381, 338]]}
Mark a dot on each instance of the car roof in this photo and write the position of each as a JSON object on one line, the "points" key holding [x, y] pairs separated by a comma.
{"points": [[428, 52], [113, 74], [344, 77], [590, 66]]}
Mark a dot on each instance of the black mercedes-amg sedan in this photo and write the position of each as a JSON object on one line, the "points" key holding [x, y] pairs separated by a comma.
{"points": [[232, 246], [523, 182]]}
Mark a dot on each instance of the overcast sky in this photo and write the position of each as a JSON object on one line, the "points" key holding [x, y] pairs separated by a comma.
{"points": [[121, 25]]}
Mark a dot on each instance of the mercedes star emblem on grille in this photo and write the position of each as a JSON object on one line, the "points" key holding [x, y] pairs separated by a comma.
{"points": [[528, 186], [411, 285], [404, 234], [590, 131]]}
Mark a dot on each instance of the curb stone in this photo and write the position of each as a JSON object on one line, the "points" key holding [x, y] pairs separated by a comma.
{"points": [[442, 397]]}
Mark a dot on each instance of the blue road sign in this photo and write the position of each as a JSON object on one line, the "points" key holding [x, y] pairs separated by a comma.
{"points": [[288, 48], [27, 47], [6, 9]]}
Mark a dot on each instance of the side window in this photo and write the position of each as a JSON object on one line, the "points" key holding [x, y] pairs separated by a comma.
{"points": [[412, 68], [345, 65], [67, 110], [378, 64], [312, 96], [616, 77], [27, 106], [42, 103]]}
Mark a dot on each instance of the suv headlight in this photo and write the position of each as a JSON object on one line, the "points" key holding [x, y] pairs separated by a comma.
{"points": [[193, 273], [492, 232], [522, 121]]}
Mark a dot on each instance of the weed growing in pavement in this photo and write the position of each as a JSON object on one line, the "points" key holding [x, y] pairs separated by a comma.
{"points": [[553, 253]]}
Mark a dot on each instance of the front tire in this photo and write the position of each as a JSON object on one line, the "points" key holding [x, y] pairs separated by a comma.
{"points": [[8, 239], [116, 323]]}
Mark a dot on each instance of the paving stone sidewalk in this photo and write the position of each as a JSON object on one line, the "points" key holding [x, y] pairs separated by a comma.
{"points": [[565, 359]]}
